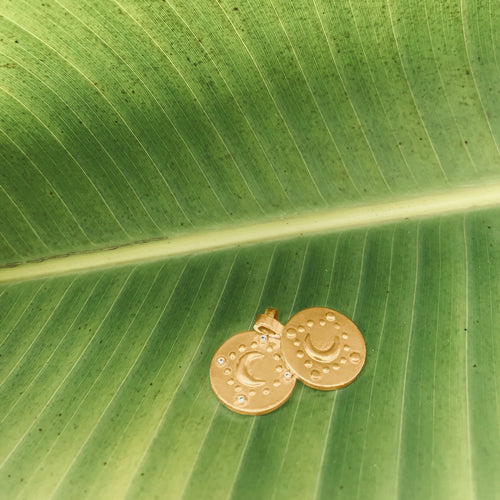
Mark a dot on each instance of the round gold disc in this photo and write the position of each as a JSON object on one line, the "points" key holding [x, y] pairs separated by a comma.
{"points": [[323, 348], [248, 374]]}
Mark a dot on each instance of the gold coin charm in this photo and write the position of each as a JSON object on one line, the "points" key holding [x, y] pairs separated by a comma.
{"points": [[248, 374], [323, 348]]}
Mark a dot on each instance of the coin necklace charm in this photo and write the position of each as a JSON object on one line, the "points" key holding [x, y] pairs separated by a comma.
{"points": [[254, 372], [248, 373], [323, 348]]}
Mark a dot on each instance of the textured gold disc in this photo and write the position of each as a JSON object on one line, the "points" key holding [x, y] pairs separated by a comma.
{"points": [[323, 348], [248, 374]]}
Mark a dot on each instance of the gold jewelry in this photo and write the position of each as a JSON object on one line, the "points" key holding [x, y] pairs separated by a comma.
{"points": [[254, 372]]}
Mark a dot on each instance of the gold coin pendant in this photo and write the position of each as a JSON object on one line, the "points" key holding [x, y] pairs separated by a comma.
{"points": [[249, 375], [323, 348]]}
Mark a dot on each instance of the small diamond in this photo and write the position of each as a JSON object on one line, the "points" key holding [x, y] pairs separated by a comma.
{"points": [[288, 374], [263, 338], [241, 399], [221, 361]]}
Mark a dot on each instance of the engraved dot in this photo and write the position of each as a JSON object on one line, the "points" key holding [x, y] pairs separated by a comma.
{"points": [[310, 323], [315, 375], [279, 368], [308, 363], [301, 329], [238, 388], [277, 357], [230, 381], [252, 393], [336, 366], [221, 361], [232, 355], [345, 336], [300, 354], [269, 349], [326, 369], [336, 326], [227, 371], [263, 338], [347, 348], [276, 383], [296, 343], [254, 345], [288, 375], [330, 316], [355, 357], [343, 361], [291, 333], [266, 391], [242, 348], [322, 322]]}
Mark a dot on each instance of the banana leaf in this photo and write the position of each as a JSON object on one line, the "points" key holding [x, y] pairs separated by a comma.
{"points": [[169, 169]]}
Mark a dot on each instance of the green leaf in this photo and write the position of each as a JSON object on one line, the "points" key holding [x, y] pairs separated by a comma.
{"points": [[170, 169]]}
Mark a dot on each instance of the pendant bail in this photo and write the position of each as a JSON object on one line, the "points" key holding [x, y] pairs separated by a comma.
{"points": [[268, 324]]}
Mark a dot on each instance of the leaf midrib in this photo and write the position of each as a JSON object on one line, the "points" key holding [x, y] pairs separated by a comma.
{"points": [[435, 204]]}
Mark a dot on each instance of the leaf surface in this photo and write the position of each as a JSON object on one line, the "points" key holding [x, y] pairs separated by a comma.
{"points": [[242, 156]]}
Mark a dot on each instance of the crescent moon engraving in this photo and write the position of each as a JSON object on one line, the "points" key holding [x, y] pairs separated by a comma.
{"points": [[322, 356], [243, 370]]}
